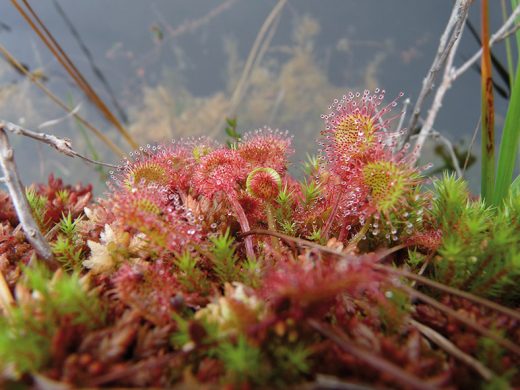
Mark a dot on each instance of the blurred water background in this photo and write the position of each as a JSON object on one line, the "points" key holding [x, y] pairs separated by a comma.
{"points": [[171, 66]]}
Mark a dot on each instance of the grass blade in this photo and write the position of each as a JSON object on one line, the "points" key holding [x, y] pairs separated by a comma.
{"points": [[37, 25], [509, 143], [509, 52], [23, 70]]}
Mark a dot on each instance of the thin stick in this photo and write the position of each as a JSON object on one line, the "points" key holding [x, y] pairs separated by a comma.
{"points": [[453, 350], [472, 142], [90, 58], [463, 319], [448, 38], [59, 102], [509, 32], [62, 145], [48, 39], [450, 290], [376, 362], [436, 135], [441, 91], [451, 151], [451, 74], [255, 55], [269, 21], [406, 103], [502, 33], [23, 210]]}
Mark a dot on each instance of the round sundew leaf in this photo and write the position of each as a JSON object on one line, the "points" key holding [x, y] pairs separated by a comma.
{"points": [[263, 183]]}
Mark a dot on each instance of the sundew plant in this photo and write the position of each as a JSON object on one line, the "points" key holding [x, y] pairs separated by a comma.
{"points": [[211, 265]]}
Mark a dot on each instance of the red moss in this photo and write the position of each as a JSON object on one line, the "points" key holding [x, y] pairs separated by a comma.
{"points": [[73, 199]]}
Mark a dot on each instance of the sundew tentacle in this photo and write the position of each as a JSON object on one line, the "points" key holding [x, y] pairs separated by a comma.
{"points": [[164, 165], [377, 179], [355, 127], [266, 148], [148, 209]]}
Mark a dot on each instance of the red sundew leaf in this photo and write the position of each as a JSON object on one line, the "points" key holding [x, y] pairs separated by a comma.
{"points": [[266, 148], [219, 171]]}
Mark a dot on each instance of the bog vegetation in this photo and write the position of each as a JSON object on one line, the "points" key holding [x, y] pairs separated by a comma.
{"points": [[211, 265]]}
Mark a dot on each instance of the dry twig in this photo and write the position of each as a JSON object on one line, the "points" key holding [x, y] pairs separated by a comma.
{"points": [[260, 46], [437, 136], [373, 360], [509, 345], [37, 25], [471, 143], [253, 54], [20, 203], [62, 145], [451, 74], [503, 32], [439, 95], [450, 35], [103, 137], [453, 350]]}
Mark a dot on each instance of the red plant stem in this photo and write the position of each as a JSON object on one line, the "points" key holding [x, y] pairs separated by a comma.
{"points": [[352, 245], [332, 215], [342, 233], [244, 224], [403, 377], [272, 224]]}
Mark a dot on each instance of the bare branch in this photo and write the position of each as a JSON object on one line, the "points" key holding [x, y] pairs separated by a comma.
{"points": [[377, 362], [17, 193], [406, 103], [502, 33], [62, 145], [453, 350], [450, 35], [437, 136], [439, 96], [509, 345], [472, 142], [451, 151], [451, 74]]}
